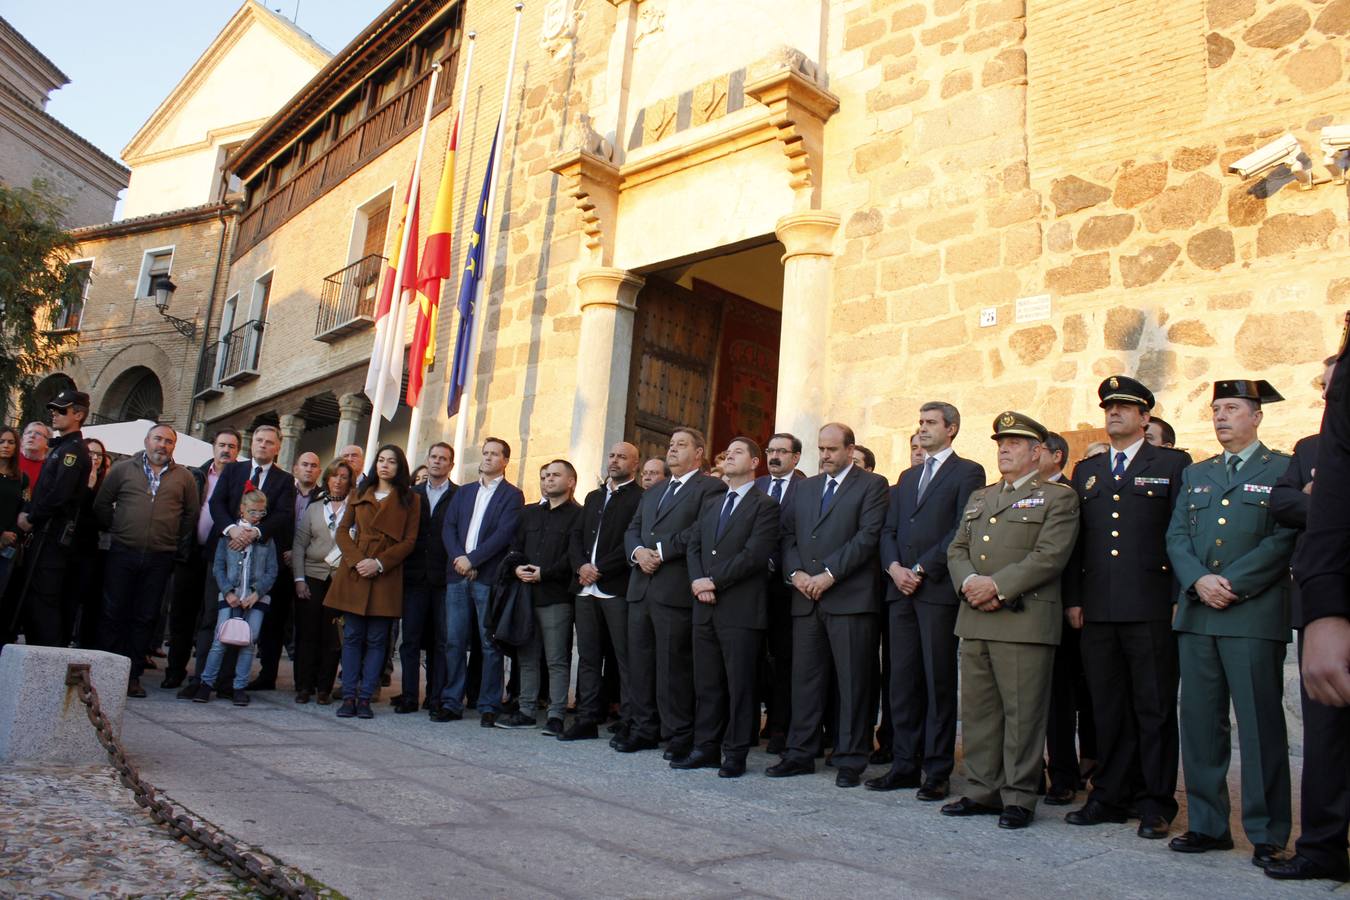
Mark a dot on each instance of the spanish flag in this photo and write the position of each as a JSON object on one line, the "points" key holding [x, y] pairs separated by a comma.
{"points": [[436, 264]]}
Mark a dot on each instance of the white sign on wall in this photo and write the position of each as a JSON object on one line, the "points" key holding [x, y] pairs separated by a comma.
{"points": [[1033, 309]]}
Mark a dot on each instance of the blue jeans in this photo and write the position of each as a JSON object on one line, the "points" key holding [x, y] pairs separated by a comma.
{"points": [[458, 596], [254, 618], [363, 641]]}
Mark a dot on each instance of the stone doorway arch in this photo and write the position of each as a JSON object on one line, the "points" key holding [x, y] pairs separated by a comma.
{"points": [[135, 394]]}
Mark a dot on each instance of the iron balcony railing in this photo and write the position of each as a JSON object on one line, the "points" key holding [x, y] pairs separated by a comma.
{"points": [[347, 302], [239, 351]]}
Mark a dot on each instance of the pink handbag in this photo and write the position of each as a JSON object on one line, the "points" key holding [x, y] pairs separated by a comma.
{"points": [[234, 632]]}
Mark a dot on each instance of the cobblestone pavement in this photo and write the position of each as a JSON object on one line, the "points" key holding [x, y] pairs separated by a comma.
{"points": [[75, 832], [404, 807]]}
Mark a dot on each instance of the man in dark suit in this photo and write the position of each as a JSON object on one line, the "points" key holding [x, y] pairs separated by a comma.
{"points": [[783, 451], [1119, 591], [924, 512], [660, 607], [479, 527], [729, 553], [597, 556], [1320, 851], [830, 539], [424, 588]]}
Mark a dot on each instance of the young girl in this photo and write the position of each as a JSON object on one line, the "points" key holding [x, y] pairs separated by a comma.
{"points": [[244, 578]]}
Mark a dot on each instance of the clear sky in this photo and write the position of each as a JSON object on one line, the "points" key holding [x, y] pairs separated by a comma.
{"points": [[124, 56]]}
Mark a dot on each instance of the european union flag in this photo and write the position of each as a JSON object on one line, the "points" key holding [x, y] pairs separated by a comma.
{"points": [[468, 290]]}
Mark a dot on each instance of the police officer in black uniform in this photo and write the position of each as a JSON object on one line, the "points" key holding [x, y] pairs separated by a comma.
{"points": [[1119, 590], [49, 519]]}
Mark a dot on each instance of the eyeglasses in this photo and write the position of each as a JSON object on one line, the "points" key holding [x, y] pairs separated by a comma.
{"points": [[255, 513]]}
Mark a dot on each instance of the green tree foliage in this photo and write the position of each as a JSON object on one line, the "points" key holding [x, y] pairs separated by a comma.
{"points": [[35, 282]]}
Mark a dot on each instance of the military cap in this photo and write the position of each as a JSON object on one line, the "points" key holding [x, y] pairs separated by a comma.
{"points": [[67, 398], [1016, 424], [1119, 389], [1246, 389]]}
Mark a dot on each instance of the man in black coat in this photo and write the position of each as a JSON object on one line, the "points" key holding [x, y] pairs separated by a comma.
{"points": [[784, 451], [660, 607], [1320, 851], [729, 552], [924, 512], [830, 539], [423, 622], [1119, 589], [597, 555]]}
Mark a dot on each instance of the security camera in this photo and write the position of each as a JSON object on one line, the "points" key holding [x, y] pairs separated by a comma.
{"points": [[1336, 149], [1285, 150]]}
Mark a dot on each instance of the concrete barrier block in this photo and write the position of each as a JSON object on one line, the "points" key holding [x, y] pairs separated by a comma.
{"points": [[41, 719]]}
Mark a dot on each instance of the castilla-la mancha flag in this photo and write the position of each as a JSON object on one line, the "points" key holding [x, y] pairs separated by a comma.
{"points": [[435, 267]]}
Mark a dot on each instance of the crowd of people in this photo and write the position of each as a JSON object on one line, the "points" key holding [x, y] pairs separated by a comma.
{"points": [[712, 607]]}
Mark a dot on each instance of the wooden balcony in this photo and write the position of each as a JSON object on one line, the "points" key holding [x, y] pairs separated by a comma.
{"points": [[347, 303]]}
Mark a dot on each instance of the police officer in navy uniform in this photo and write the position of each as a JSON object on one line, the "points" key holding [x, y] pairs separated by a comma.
{"points": [[49, 517], [1120, 592], [1231, 558]]}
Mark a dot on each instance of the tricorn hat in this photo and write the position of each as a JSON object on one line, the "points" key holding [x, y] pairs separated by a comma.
{"points": [[1246, 389]]}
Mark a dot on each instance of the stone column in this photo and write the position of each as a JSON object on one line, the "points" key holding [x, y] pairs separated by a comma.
{"points": [[291, 427], [802, 352], [246, 443], [351, 409], [608, 301]]}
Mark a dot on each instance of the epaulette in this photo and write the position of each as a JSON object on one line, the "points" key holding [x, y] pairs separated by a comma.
{"points": [[1063, 484]]}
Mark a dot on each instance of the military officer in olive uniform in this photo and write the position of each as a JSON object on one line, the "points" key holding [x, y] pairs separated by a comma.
{"points": [[50, 518], [1013, 542], [1232, 561], [1119, 590]]}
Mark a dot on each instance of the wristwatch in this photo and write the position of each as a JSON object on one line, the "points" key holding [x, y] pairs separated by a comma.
{"points": [[918, 570]]}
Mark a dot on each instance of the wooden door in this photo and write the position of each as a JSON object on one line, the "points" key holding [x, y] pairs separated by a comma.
{"points": [[1078, 442]]}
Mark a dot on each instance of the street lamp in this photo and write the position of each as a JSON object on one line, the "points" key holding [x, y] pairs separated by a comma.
{"points": [[162, 288]]}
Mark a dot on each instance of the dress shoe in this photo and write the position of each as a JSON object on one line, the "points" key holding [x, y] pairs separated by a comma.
{"points": [[634, 743], [188, 691], [968, 807], [933, 789], [1266, 854], [262, 684], [553, 727], [893, 781], [396, 700], [172, 680], [697, 759], [1059, 796], [847, 778], [1153, 827], [1015, 817], [1195, 842], [580, 730], [323, 698], [1301, 868], [789, 767], [134, 688], [882, 756], [488, 720], [363, 710], [731, 768], [240, 698], [777, 744], [677, 751], [303, 697], [201, 693], [426, 703], [1095, 812], [616, 726], [517, 720], [348, 709], [444, 714]]}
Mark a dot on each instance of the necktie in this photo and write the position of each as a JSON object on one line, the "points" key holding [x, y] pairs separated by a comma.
{"points": [[776, 490], [1118, 469], [1233, 463], [668, 495], [927, 476], [257, 477], [726, 513], [828, 496]]}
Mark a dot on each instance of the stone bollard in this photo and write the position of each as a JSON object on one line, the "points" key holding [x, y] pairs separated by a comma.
{"points": [[41, 718]]}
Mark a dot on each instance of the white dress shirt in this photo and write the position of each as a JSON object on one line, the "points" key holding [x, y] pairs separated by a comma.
{"points": [[593, 590], [480, 505], [1129, 452]]}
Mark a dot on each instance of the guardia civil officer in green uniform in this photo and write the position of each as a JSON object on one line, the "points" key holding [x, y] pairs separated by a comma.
{"points": [[1013, 542], [1231, 559]]}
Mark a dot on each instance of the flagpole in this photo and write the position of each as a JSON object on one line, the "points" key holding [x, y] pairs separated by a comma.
{"points": [[415, 424], [394, 344], [475, 333]]}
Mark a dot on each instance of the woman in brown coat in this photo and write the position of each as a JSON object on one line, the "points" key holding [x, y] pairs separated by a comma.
{"points": [[376, 535]]}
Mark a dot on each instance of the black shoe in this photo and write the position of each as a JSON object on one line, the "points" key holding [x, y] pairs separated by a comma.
{"points": [[323, 698], [516, 720], [172, 680], [882, 756], [396, 700], [968, 807], [240, 697], [263, 684], [553, 727], [1094, 812], [847, 778], [1152, 827], [1058, 796], [348, 708], [581, 730], [189, 690], [933, 789], [616, 726], [363, 710], [1264, 855], [406, 705], [1301, 868], [790, 767], [677, 751], [303, 697], [1014, 817], [444, 714], [893, 781], [731, 768], [201, 693], [488, 720], [134, 688], [1195, 842], [697, 759], [777, 744], [634, 744]]}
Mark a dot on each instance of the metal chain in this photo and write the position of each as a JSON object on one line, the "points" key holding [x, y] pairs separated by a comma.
{"points": [[216, 846]]}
